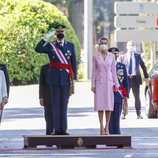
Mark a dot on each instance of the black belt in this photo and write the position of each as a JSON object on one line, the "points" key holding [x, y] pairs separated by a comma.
{"points": [[131, 76]]}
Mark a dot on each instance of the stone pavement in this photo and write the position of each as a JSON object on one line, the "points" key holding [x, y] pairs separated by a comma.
{"points": [[24, 116]]}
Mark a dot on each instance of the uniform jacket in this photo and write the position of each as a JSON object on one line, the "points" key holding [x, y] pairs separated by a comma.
{"points": [[4, 69], [44, 90], [139, 63], [122, 78], [58, 76]]}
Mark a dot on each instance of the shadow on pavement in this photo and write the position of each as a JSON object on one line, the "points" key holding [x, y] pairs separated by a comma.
{"points": [[22, 113]]}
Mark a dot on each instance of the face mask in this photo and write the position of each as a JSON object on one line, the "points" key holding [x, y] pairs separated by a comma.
{"points": [[60, 36], [103, 47]]}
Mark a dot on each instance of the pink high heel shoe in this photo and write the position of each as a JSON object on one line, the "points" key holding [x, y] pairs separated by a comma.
{"points": [[102, 131], [106, 131]]}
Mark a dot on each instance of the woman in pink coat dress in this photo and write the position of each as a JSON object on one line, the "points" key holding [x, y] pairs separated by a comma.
{"points": [[104, 82]]}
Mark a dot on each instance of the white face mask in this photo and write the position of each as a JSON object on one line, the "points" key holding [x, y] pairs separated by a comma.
{"points": [[103, 47]]}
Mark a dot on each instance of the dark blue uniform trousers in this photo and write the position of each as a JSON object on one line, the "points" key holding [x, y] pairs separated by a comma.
{"points": [[48, 118], [60, 96], [114, 126]]}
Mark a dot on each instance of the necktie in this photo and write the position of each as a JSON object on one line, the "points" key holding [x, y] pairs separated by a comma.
{"points": [[60, 45], [130, 65]]}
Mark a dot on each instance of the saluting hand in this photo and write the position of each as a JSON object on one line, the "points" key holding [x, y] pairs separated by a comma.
{"points": [[48, 36]]}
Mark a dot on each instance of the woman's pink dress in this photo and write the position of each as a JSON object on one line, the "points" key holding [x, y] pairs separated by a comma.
{"points": [[104, 77]]}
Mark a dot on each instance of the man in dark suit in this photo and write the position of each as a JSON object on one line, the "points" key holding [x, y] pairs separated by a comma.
{"points": [[45, 99], [62, 58], [133, 62], [4, 69], [119, 96]]}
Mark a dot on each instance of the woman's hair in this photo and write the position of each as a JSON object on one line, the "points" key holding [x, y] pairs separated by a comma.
{"points": [[103, 38]]}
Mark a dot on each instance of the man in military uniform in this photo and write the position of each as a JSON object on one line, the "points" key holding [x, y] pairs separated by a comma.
{"points": [[119, 96], [45, 98], [62, 71]]}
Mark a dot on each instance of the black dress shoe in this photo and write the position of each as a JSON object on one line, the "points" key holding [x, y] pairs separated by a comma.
{"points": [[64, 133], [56, 133], [123, 117], [139, 117]]}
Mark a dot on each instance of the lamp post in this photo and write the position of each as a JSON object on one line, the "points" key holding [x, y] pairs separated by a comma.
{"points": [[88, 37]]}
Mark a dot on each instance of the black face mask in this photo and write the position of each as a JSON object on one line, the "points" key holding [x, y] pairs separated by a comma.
{"points": [[60, 36]]}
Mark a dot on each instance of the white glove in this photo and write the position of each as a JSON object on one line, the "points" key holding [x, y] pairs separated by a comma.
{"points": [[48, 36]]}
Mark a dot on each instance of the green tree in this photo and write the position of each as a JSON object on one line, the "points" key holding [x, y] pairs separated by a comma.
{"points": [[23, 24], [104, 17]]}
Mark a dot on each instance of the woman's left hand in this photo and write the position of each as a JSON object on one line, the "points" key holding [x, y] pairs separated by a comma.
{"points": [[116, 88]]}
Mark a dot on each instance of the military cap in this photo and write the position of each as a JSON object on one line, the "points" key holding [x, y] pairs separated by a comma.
{"points": [[113, 50], [60, 27]]}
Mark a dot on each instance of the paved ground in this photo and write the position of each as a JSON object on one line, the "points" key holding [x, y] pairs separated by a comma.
{"points": [[24, 116]]}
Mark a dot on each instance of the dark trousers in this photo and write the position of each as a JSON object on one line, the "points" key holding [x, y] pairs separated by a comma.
{"points": [[114, 125], [48, 118], [60, 97], [136, 92]]}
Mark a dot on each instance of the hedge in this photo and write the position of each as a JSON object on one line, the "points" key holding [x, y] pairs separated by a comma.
{"points": [[23, 24]]}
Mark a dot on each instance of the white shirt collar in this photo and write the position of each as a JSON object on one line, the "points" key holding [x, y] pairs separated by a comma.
{"points": [[61, 41]]}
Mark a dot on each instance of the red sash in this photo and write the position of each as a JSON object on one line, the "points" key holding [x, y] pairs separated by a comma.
{"points": [[63, 66], [59, 54]]}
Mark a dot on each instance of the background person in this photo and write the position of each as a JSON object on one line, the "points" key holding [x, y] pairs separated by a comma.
{"points": [[103, 78], [3, 93], [4, 101], [133, 62], [4, 69], [45, 98], [120, 96], [63, 69]]}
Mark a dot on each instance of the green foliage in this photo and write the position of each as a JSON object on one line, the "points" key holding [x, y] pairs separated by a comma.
{"points": [[104, 16], [23, 24], [146, 53], [147, 48], [64, 2], [80, 71]]}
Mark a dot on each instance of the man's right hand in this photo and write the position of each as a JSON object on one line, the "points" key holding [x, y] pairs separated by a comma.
{"points": [[48, 36], [41, 102]]}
